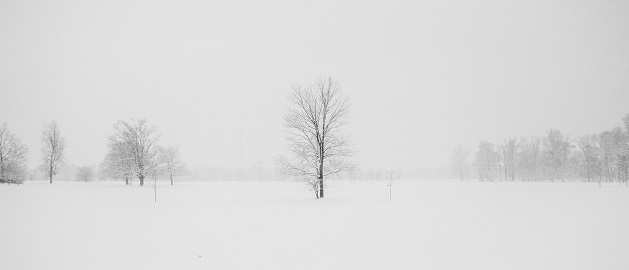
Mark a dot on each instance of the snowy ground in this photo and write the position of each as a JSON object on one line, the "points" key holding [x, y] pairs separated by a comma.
{"points": [[278, 225]]}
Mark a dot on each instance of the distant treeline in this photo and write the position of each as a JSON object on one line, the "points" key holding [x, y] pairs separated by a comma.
{"points": [[602, 157]]}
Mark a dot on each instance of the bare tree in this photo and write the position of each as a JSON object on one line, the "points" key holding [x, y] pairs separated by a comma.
{"points": [[486, 159], [536, 154], [557, 148], [608, 157], [621, 154], [460, 155], [314, 122], [258, 166], [590, 156], [133, 149], [624, 150], [523, 158], [528, 158], [508, 154], [171, 162], [84, 174], [53, 150], [12, 157]]}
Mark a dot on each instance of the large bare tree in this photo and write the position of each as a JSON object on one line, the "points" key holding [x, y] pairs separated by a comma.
{"points": [[53, 150], [314, 121], [133, 149], [12, 157]]}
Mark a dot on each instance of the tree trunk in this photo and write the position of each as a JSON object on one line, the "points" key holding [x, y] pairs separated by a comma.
{"points": [[506, 171], [626, 171], [171, 179], [321, 187], [141, 177], [321, 170], [51, 167], [126, 179]]}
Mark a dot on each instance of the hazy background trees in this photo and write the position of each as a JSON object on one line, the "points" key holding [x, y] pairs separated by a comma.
{"points": [[602, 157], [53, 149], [13, 159], [508, 158], [528, 158], [460, 154], [557, 151], [314, 121], [486, 160], [590, 151], [84, 174]]}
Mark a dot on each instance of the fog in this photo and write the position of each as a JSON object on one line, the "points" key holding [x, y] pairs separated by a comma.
{"points": [[214, 77]]}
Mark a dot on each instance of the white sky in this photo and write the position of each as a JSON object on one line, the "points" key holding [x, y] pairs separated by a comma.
{"points": [[422, 76]]}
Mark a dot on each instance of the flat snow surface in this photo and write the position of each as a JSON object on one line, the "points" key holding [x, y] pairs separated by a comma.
{"points": [[279, 225]]}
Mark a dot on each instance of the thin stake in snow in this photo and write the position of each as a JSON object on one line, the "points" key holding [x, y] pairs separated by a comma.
{"points": [[391, 177], [390, 187]]}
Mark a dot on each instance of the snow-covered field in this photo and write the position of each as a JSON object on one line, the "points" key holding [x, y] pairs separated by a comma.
{"points": [[279, 225]]}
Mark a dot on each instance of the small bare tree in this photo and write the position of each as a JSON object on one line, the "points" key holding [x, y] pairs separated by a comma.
{"points": [[12, 157], [53, 150], [133, 148], [171, 162], [314, 122], [460, 155], [84, 174]]}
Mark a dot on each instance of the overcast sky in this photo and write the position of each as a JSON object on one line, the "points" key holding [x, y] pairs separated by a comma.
{"points": [[422, 76]]}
